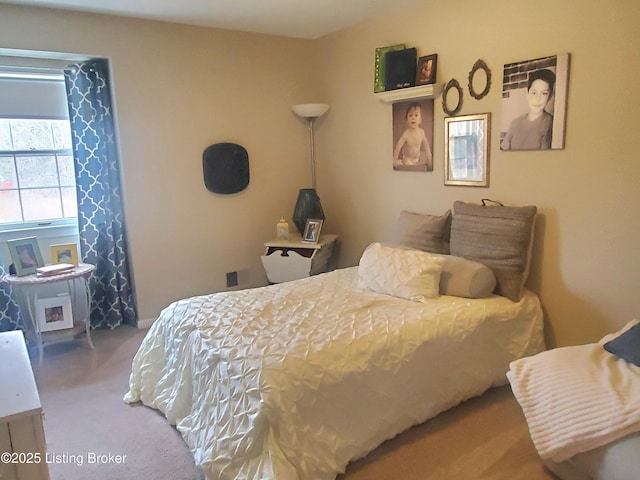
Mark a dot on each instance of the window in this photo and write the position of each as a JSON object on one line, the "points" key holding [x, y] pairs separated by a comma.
{"points": [[37, 179]]}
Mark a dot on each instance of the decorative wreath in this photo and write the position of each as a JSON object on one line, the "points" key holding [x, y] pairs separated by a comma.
{"points": [[453, 83], [479, 65]]}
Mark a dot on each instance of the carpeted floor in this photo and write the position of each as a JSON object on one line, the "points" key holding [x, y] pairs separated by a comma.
{"points": [[92, 433]]}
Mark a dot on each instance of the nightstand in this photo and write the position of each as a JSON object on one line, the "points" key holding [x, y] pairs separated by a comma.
{"points": [[286, 260]]}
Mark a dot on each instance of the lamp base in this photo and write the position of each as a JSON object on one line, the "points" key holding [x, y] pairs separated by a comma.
{"points": [[307, 206]]}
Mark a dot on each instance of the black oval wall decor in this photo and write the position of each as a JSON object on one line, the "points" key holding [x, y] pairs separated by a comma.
{"points": [[226, 168]]}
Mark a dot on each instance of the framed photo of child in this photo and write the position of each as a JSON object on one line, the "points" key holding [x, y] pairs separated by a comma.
{"points": [[426, 72], [312, 231], [64, 253], [54, 313], [534, 104], [413, 135], [25, 255]]}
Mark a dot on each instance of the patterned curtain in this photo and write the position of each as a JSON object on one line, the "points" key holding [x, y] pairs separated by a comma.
{"points": [[103, 239], [10, 318]]}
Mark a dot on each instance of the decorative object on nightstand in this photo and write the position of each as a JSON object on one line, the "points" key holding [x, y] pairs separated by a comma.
{"points": [[293, 259], [308, 204], [282, 229]]}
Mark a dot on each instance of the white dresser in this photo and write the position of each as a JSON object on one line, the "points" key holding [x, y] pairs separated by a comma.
{"points": [[22, 441]]}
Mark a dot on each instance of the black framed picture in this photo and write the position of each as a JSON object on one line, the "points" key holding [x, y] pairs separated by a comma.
{"points": [[426, 72], [401, 69]]}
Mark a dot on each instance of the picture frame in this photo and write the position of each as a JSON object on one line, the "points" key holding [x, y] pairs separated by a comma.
{"points": [[64, 253], [534, 103], [54, 313], [25, 255], [413, 123], [466, 153], [400, 69], [427, 68], [312, 229]]}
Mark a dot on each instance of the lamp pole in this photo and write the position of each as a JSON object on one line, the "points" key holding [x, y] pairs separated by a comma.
{"points": [[313, 153]]}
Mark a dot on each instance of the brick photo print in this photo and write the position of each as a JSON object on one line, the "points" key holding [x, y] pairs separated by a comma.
{"points": [[534, 103]]}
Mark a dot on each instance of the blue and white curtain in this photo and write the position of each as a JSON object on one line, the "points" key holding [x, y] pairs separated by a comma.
{"points": [[10, 318], [103, 239]]}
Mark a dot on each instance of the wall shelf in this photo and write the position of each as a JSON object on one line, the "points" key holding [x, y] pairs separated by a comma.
{"points": [[411, 93]]}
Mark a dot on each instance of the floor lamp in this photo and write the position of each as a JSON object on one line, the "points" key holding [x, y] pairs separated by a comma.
{"points": [[308, 204]]}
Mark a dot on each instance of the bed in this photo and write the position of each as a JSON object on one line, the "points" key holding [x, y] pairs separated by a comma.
{"points": [[582, 405], [295, 380]]}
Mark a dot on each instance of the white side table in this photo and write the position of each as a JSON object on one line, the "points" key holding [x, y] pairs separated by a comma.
{"points": [[28, 286], [286, 260]]}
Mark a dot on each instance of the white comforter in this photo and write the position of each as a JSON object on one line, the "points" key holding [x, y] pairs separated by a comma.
{"points": [[293, 381], [577, 398]]}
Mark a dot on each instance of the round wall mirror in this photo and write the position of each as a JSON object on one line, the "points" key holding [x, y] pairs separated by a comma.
{"points": [[451, 84], [479, 75]]}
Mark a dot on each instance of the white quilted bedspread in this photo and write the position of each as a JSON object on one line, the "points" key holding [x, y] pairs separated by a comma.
{"points": [[292, 381]]}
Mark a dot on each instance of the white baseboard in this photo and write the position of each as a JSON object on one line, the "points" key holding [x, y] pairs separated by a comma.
{"points": [[145, 323]]}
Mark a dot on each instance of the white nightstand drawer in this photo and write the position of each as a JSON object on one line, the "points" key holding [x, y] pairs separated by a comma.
{"points": [[287, 260]]}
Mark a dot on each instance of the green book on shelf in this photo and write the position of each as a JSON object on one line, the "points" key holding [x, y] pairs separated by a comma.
{"points": [[379, 77]]}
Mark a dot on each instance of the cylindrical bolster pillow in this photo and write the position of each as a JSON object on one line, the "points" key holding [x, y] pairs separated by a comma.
{"points": [[461, 277]]}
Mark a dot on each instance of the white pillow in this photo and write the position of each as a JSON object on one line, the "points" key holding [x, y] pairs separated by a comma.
{"points": [[408, 274]]}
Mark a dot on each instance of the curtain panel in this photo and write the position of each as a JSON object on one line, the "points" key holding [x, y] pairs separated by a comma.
{"points": [[103, 239], [10, 318]]}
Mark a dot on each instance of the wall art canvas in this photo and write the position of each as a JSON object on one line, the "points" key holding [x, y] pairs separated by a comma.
{"points": [[413, 136], [534, 104]]}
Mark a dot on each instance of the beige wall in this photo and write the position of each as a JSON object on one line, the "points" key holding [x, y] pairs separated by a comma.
{"points": [[179, 89], [586, 264]]}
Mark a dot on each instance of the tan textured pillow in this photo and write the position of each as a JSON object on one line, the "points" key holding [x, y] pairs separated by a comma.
{"points": [[499, 237], [429, 233]]}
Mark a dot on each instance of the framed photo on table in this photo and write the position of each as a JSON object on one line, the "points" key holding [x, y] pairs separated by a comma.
{"points": [[25, 255], [54, 313], [64, 253], [312, 231]]}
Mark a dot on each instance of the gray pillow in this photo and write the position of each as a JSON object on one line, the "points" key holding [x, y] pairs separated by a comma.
{"points": [[429, 233], [461, 277], [499, 237]]}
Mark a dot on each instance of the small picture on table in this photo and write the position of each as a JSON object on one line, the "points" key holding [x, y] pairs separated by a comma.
{"points": [[64, 253], [312, 231], [54, 313], [25, 255]]}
